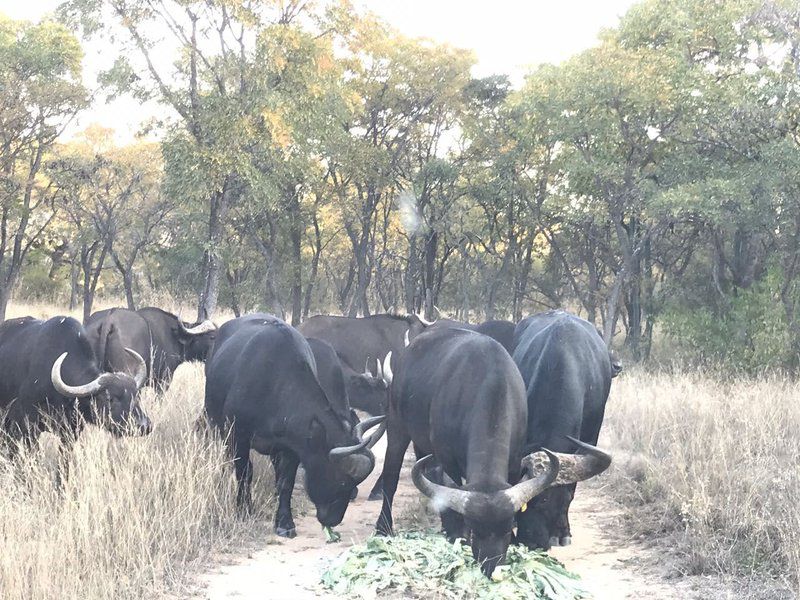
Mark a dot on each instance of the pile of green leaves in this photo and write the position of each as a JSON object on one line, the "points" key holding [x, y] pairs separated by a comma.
{"points": [[427, 565]]}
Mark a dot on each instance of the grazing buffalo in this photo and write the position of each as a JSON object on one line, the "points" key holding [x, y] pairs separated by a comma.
{"points": [[359, 342], [567, 373], [499, 330], [49, 378], [262, 383], [459, 397], [160, 337]]}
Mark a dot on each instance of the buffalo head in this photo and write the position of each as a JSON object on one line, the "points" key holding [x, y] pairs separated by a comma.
{"points": [[331, 475], [111, 398], [616, 363], [488, 517], [367, 392], [197, 339]]}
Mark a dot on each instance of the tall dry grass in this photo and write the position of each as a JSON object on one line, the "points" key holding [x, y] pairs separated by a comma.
{"points": [[714, 463], [133, 514]]}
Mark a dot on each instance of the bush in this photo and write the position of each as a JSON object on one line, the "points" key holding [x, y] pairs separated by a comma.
{"points": [[749, 335]]}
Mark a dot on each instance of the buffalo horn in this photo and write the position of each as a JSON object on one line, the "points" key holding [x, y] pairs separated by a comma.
{"points": [[73, 391], [357, 466], [425, 322], [369, 423], [521, 494], [406, 341], [366, 369], [203, 327], [442, 496], [387, 369], [140, 375], [359, 430], [576, 467]]}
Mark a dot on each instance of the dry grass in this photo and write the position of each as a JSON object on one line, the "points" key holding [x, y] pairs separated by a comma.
{"points": [[134, 512], [715, 464], [187, 310]]}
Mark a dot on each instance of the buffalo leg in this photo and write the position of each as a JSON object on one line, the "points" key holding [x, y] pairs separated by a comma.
{"points": [[396, 445], [377, 489], [244, 470], [285, 463]]}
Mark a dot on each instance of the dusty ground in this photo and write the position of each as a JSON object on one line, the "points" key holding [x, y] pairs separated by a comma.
{"points": [[611, 566]]}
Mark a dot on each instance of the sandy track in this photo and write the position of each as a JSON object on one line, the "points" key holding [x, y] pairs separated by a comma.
{"points": [[612, 567]]}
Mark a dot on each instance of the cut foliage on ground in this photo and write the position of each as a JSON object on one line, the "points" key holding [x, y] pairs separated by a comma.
{"points": [[427, 565]]}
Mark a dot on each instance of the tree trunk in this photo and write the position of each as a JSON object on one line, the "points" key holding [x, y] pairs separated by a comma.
{"points": [[429, 275], [233, 284], [73, 282], [209, 294], [312, 279], [127, 282], [412, 276], [295, 235], [5, 296], [210, 270]]}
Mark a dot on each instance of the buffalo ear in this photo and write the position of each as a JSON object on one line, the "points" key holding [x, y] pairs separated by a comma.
{"points": [[317, 438]]}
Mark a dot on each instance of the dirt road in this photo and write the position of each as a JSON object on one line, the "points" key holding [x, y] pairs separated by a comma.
{"points": [[612, 567]]}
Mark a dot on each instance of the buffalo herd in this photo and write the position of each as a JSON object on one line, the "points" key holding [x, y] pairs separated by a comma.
{"points": [[503, 418]]}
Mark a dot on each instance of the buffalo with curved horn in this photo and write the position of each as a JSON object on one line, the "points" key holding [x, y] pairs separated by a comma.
{"points": [[162, 338], [567, 371], [359, 341], [459, 397], [49, 377], [262, 386]]}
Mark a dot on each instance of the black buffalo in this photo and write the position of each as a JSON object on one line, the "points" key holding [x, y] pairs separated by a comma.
{"points": [[262, 384], [364, 391], [360, 343], [459, 397], [331, 377], [499, 330], [567, 372], [159, 336], [49, 378]]}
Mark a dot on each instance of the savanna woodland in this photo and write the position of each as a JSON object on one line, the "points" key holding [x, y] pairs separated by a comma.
{"points": [[311, 159], [303, 158]]}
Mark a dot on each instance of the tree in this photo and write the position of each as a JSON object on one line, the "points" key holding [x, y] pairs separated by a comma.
{"points": [[40, 92], [112, 198]]}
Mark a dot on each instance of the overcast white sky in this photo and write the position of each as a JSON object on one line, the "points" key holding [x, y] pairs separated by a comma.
{"points": [[507, 36]]}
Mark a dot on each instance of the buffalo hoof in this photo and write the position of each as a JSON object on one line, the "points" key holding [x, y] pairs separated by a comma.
{"points": [[286, 533], [375, 495], [555, 542], [354, 494], [566, 540]]}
